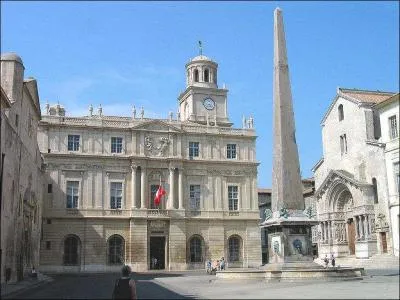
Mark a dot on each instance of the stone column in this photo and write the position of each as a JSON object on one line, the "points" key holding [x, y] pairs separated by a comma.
{"points": [[143, 183], [362, 227], [366, 223], [330, 231], [357, 227], [180, 183], [133, 185], [326, 232], [321, 224], [171, 189]]}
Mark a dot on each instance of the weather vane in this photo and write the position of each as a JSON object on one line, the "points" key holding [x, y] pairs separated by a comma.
{"points": [[200, 48]]}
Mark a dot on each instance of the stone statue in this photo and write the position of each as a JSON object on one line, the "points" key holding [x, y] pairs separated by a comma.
{"points": [[268, 214], [100, 110], [134, 112], [283, 212], [142, 112], [90, 110]]}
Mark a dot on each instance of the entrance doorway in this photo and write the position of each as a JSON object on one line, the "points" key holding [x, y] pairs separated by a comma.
{"points": [[351, 236], [383, 242], [157, 252]]}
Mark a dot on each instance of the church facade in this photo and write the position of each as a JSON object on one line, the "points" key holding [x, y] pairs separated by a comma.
{"points": [[356, 192], [102, 174]]}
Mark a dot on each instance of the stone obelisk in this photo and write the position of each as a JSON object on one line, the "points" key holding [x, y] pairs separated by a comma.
{"points": [[289, 227], [286, 182]]}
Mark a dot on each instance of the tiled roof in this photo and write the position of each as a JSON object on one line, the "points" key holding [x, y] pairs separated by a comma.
{"points": [[367, 96], [262, 190]]}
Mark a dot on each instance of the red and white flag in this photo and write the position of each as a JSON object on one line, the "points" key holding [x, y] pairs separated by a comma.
{"points": [[160, 192]]}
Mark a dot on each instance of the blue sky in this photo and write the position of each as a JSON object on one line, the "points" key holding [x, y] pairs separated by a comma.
{"points": [[124, 53]]}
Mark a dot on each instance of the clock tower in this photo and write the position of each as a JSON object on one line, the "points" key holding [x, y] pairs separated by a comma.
{"points": [[202, 98]]}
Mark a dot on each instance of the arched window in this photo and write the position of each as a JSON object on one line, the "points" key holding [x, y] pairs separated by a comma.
{"points": [[71, 250], [340, 111], [116, 250], [196, 75], [206, 75], [195, 249], [234, 249], [375, 187]]}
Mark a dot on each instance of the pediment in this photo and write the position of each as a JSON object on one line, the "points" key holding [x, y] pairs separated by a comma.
{"points": [[342, 176], [157, 126]]}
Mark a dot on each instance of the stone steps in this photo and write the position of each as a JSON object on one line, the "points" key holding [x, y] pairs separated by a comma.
{"points": [[376, 261]]}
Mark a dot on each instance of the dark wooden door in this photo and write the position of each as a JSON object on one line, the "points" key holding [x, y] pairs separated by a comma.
{"points": [[351, 236], [383, 242]]}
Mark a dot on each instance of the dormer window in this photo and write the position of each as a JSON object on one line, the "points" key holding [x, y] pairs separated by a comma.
{"points": [[196, 75], [340, 111], [206, 75]]}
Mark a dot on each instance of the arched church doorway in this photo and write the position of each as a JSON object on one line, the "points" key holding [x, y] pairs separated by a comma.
{"points": [[345, 223]]}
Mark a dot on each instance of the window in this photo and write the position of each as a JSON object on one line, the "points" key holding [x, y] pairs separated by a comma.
{"points": [[196, 75], [116, 250], [375, 188], [48, 221], [72, 194], [115, 195], [153, 192], [71, 245], [116, 145], [206, 75], [234, 249], [73, 142], [48, 245], [193, 149], [195, 249], [340, 111], [49, 188], [233, 197], [343, 144], [393, 127], [194, 195], [231, 151], [396, 176]]}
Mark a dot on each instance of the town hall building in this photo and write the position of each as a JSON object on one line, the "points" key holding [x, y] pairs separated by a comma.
{"points": [[102, 173]]}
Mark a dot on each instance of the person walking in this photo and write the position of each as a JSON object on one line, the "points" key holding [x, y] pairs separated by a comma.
{"points": [[333, 260], [222, 263], [125, 287], [326, 260]]}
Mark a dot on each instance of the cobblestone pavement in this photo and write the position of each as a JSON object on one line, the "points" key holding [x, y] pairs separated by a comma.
{"points": [[378, 284]]}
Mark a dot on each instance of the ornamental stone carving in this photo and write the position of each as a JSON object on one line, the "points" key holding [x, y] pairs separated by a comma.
{"points": [[158, 224], [156, 146]]}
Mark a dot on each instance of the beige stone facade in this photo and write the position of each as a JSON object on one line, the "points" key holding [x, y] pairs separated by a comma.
{"points": [[103, 173], [351, 179], [21, 175]]}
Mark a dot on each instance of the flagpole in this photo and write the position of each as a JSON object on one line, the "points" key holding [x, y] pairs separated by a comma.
{"points": [[158, 206]]}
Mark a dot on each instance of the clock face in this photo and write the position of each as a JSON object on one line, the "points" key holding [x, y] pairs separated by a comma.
{"points": [[209, 103]]}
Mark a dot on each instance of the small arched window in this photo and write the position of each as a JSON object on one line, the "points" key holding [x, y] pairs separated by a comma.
{"points": [[234, 249], [116, 250], [340, 111], [375, 188], [206, 75], [196, 75], [195, 249], [71, 250]]}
